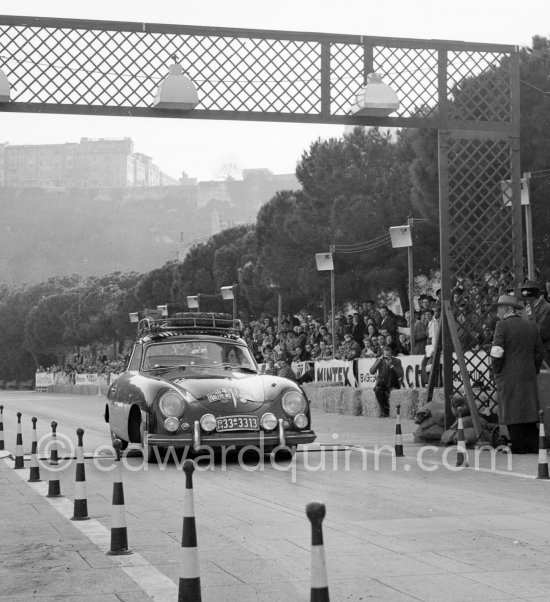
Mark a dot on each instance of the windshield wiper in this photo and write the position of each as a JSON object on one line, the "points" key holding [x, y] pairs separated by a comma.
{"points": [[162, 368], [243, 368]]}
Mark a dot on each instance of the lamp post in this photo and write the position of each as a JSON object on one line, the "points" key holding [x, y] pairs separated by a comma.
{"points": [[401, 236], [230, 293], [273, 285], [506, 187], [325, 263], [193, 302]]}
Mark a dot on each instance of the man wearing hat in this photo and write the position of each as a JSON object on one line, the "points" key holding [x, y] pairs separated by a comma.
{"points": [[538, 310], [517, 355]]}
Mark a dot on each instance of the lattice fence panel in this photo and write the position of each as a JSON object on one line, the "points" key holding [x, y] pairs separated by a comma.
{"points": [[413, 73], [478, 83], [96, 64], [481, 251], [124, 68]]}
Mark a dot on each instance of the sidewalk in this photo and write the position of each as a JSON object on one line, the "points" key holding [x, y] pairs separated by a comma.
{"points": [[44, 557]]}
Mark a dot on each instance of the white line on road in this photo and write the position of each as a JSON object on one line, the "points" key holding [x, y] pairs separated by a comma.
{"points": [[155, 584], [385, 452]]}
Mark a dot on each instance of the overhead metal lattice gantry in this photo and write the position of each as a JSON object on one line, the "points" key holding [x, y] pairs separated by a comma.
{"points": [[468, 92]]}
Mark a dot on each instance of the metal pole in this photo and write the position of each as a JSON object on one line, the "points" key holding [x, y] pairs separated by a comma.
{"points": [[279, 311], [410, 222], [444, 228], [332, 301], [529, 233]]}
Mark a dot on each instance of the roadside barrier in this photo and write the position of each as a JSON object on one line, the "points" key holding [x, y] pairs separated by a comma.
{"points": [[398, 435], [119, 532], [190, 581], [461, 453], [543, 454], [80, 501], [34, 476], [19, 460], [54, 459], [316, 511], [1, 428]]}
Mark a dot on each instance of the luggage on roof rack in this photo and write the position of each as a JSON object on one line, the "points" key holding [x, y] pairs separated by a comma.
{"points": [[207, 323]]}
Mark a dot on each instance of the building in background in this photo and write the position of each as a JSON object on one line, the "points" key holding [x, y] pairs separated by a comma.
{"points": [[91, 163]]}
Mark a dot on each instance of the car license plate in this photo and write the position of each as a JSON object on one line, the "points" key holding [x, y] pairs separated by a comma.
{"points": [[237, 423]]}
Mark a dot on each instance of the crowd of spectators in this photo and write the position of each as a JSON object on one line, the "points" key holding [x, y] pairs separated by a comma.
{"points": [[362, 333], [85, 362]]}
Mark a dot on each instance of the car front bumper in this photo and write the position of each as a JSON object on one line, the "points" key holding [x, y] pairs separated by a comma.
{"points": [[261, 439]]}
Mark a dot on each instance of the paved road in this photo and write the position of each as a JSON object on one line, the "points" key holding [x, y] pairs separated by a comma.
{"points": [[397, 535]]}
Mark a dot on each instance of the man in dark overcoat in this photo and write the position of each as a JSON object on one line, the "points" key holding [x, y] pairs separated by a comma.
{"points": [[517, 354], [538, 310]]}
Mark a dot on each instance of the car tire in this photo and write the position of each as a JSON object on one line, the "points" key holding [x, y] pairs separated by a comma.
{"points": [[124, 443]]}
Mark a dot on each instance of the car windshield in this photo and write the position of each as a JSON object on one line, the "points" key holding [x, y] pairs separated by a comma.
{"points": [[194, 354]]}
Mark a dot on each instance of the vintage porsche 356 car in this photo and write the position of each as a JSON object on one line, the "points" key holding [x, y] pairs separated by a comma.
{"points": [[191, 382]]}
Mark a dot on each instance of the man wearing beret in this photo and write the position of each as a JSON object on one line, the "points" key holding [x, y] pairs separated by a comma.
{"points": [[517, 354], [538, 310]]}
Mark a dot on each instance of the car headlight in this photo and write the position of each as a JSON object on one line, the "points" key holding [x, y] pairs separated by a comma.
{"points": [[300, 420], [171, 404], [208, 422], [268, 421], [293, 402], [171, 424]]}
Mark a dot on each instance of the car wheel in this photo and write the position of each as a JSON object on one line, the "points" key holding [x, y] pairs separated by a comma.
{"points": [[124, 443]]}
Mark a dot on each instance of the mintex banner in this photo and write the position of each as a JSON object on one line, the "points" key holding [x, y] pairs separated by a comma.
{"points": [[411, 369], [335, 371]]}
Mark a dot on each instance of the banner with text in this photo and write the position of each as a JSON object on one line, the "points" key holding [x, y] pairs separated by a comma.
{"points": [[411, 369], [335, 371]]}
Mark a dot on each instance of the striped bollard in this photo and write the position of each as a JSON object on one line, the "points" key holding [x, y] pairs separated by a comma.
{"points": [[19, 460], [80, 501], [119, 532], [34, 476], [461, 453], [398, 435], [190, 581], [54, 458], [316, 511], [543, 455], [1, 428]]}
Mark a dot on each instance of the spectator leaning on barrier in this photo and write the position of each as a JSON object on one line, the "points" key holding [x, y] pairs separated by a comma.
{"points": [[368, 349], [325, 351], [389, 375], [315, 351], [285, 371]]}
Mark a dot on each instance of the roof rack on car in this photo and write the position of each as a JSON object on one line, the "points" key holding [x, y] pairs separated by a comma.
{"points": [[186, 322]]}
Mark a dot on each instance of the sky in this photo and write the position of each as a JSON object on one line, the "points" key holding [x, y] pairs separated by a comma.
{"points": [[203, 148]]}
